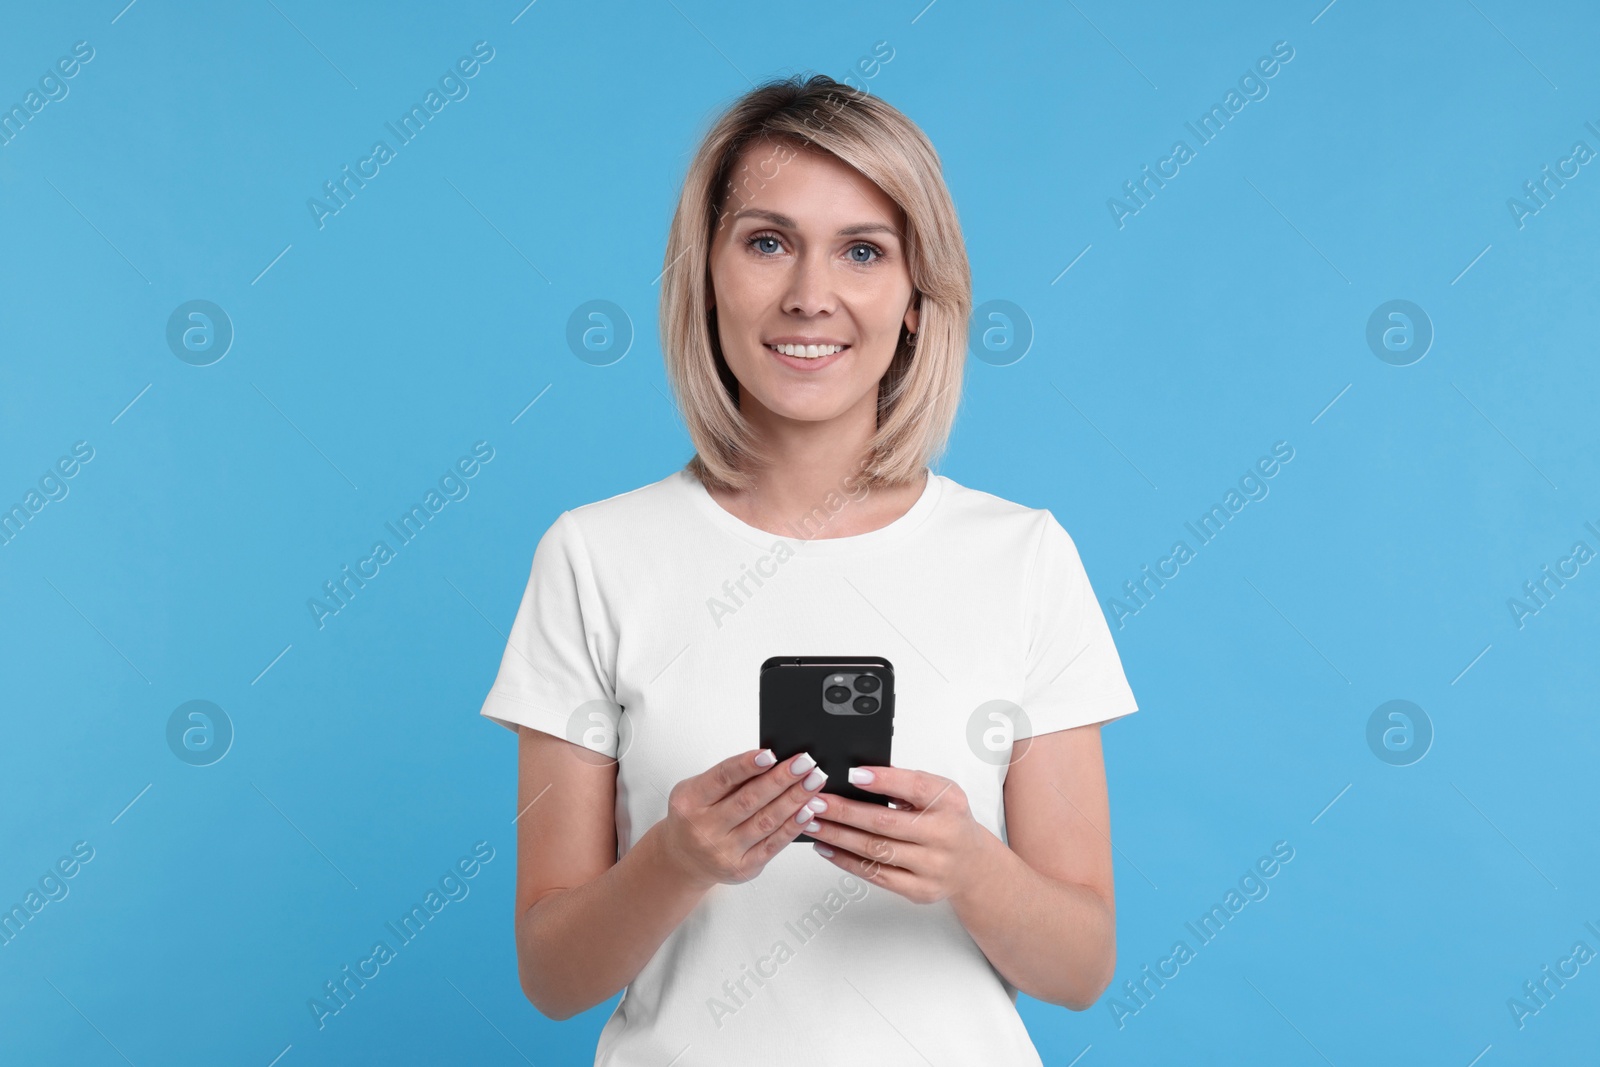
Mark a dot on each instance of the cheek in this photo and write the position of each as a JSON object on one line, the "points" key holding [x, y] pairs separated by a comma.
{"points": [[880, 313], [742, 295]]}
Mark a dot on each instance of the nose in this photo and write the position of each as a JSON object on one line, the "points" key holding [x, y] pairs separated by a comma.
{"points": [[810, 291]]}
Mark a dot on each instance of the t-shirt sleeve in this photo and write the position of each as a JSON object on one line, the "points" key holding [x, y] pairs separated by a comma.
{"points": [[554, 674], [1073, 675]]}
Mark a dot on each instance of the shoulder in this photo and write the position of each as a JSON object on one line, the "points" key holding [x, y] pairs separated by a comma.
{"points": [[630, 504], [620, 519], [995, 518]]}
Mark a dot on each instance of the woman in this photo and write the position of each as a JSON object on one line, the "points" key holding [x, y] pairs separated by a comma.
{"points": [[814, 322]]}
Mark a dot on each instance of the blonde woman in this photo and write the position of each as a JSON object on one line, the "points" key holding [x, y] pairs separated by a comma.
{"points": [[814, 324]]}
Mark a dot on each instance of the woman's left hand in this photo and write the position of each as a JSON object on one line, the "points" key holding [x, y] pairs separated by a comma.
{"points": [[927, 848]]}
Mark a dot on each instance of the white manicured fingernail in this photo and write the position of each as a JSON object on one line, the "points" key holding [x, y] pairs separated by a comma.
{"points": [[860, 776], [817, 804], [803, 814], [813, 826], [802, 763], [765, 758], [823, 849], [815, 779]]}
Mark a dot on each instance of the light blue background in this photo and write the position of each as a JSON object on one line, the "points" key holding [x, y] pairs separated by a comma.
{"points": [[370, 354]]}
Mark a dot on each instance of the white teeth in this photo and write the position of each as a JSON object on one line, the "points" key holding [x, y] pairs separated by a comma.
{"points": [[808, 351]]}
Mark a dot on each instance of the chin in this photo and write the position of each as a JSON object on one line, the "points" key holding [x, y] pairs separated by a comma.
{"points": [[808, 413], [813, 409]]}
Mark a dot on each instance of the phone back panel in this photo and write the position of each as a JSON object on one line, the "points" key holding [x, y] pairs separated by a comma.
{"points": [[795, 719]]}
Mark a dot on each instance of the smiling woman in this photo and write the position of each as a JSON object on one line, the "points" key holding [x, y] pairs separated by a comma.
{"points": [[811, 206], [814, 316]]}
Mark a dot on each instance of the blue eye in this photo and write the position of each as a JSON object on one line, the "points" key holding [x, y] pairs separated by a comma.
{"points": [[756, 241]]}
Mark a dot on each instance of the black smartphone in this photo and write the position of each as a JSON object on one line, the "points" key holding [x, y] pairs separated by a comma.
{"points": [[838, 708]]}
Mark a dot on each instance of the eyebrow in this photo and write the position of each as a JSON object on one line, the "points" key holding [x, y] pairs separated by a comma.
{"points": [[778, 219]]}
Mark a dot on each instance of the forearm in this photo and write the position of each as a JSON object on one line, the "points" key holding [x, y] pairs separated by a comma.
{"points": [[1053, 940], [579, 946]]}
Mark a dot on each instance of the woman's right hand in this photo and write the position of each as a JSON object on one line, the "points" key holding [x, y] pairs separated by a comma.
{"points": [[724, 824]]}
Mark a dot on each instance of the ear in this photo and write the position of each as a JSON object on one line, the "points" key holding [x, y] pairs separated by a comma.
{"points": [[913, 315]]}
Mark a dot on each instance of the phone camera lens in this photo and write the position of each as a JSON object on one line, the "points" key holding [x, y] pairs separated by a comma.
{"points": [[837, 694], [866, 705], [867, 683]]}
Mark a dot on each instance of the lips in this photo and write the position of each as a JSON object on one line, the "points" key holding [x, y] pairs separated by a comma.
{"points": [[808, 363]]}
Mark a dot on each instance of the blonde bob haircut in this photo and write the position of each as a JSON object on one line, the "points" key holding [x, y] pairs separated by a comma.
{"points": [[921, 390]]}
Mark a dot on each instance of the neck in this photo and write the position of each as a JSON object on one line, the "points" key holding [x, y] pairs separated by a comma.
{"points": [[814, 485]]}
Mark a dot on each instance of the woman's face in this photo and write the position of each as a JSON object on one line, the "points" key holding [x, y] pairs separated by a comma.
{"points": [[808, 251]]}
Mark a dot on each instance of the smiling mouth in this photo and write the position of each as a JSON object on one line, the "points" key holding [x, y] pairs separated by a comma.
{"points": [[807, 351]]}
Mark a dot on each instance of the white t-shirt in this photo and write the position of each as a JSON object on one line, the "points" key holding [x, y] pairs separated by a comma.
{"points": [[643, 628]]}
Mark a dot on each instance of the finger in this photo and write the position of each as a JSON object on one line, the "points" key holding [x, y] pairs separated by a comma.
{"points": [[742, 803], [722, 778], [785, 818], [895, 879], [895, 853], [893, 823], [919, 788]]}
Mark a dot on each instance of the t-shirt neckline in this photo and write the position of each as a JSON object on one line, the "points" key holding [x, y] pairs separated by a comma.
{"points": [[804, 541]]}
